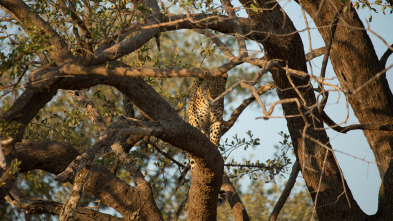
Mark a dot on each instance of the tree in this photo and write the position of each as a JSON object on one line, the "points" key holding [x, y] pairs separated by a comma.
{"points": [[56, 46]]}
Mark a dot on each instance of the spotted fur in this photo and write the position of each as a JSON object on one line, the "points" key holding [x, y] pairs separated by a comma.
{"points": [[207, 116], [202, 113]]}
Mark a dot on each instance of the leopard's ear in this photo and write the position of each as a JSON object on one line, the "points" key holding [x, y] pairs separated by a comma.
{"points": [[225, 75]]}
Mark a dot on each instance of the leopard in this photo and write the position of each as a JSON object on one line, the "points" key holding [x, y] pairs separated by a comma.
{"points": [[207, 116], [202, 113]]}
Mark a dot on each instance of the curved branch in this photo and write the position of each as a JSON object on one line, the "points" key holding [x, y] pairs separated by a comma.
{"points": [[385, 56], [236, 113], [237, 206], [345, 129]]}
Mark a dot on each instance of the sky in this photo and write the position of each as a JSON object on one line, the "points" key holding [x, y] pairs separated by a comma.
{"points": [[352, 150]]}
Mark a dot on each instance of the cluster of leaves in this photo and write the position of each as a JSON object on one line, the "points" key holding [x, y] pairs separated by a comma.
{"points": [[270, 168], [384, 5]]}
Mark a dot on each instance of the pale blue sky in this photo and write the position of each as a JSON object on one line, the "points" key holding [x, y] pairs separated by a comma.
{"points": [[361, 175]]}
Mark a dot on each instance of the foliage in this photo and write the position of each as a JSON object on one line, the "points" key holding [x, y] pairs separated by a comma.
{"points": [[24, 48]]}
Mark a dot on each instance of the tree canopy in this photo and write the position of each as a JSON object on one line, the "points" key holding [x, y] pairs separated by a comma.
{"points": [[94, 99]]}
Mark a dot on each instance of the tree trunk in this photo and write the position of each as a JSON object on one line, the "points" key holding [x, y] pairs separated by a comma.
{"points": [[329, 191], [355, 63]]}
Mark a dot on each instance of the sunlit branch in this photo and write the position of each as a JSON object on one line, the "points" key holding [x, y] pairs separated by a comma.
{"points": [[70, 207], [125, 71], [117, 148]]}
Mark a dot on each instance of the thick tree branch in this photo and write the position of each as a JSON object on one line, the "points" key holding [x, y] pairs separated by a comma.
{"points": [[125, 71], [70, 207], [288, 48], [238, 209], [206, 180], [359, 70]]}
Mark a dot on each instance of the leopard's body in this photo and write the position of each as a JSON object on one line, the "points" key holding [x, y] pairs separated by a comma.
{"points": [[203, 114], [207, 116]]}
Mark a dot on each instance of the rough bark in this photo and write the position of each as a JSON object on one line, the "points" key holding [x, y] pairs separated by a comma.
{"points": [[318, 165], [356, 64]]}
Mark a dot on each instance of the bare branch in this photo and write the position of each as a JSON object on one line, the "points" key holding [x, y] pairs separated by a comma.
{"points": [[345, 129], [315, 53], [385, 56], [321, 87], [236, 113], [285, 193], [180, 208], [180, 165], [70, 207]]}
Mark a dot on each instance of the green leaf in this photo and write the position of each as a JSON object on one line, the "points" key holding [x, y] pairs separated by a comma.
{"points": [[254, 8]]}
